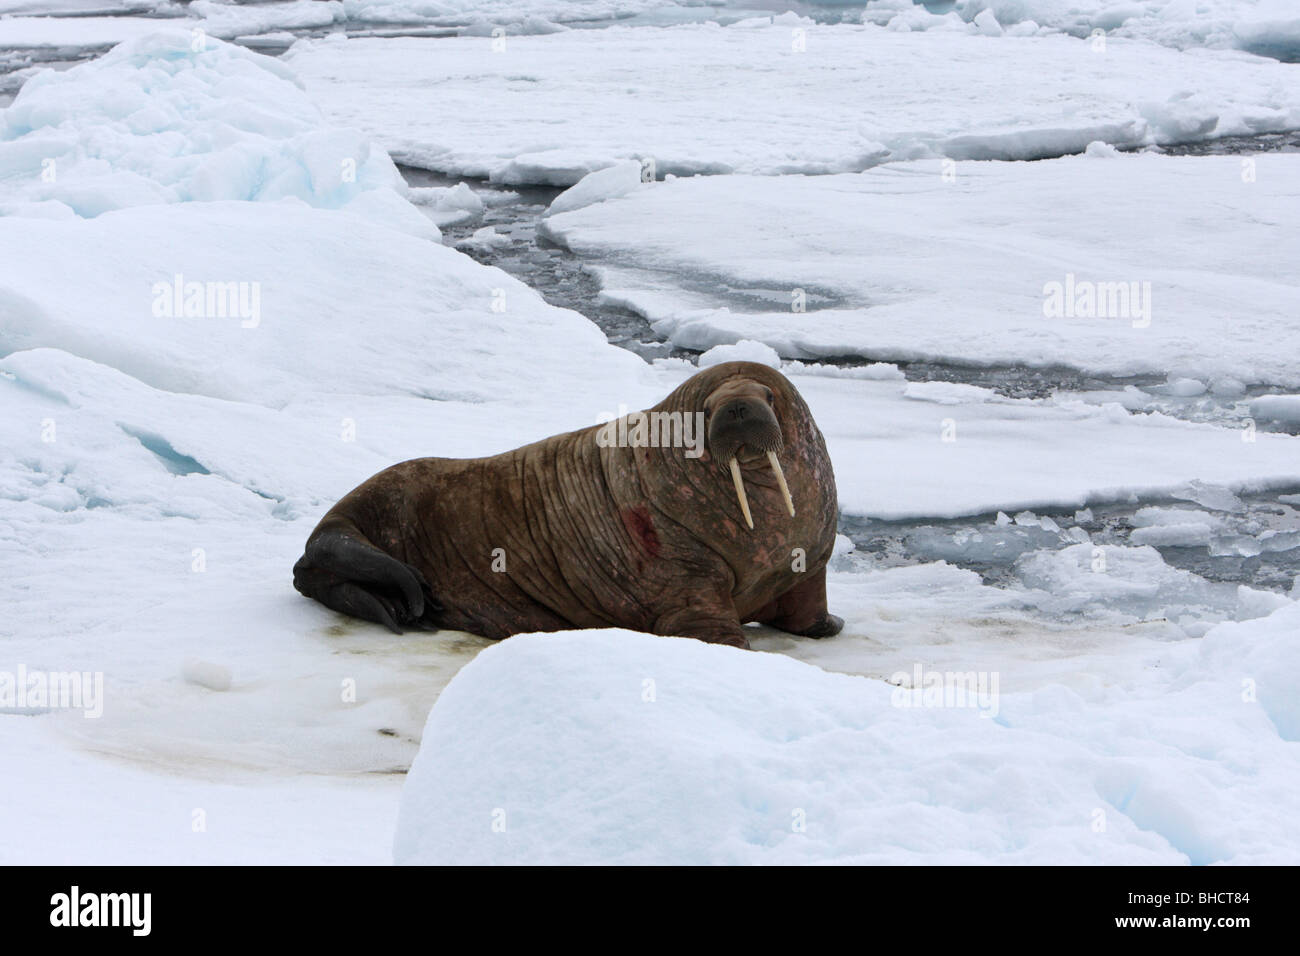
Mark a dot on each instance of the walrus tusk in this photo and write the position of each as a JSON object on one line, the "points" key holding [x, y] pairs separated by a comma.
{"points": [[740, 492], [780, 480]]}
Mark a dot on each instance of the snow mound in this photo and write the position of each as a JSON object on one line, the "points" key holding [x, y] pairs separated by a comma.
{"points": [[613, 747], [156, 120], [745, 350]]}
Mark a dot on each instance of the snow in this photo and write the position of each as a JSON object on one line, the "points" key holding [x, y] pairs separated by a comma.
{"points": [[1267, 27], [702, 98], [662, 759], [140, 818], [160, 472], [81, 8], [608, 183], [949, 277], [262, 314], [512, 13], [231, 124], [72, 33], [745, 350], [199, 19]]}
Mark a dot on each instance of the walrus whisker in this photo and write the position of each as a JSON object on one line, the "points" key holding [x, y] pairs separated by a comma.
{"points": [[780, 480], [740, 492]]}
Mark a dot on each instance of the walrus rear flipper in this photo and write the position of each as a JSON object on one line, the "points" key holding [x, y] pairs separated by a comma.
{"points": [[349, 574]]}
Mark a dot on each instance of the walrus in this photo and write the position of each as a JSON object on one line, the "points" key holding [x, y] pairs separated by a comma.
{"points": [[644, 523]]}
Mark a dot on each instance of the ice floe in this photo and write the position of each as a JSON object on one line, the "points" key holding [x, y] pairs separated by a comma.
{"points": [[1266, 27], [1140, 264], [775, 98]]}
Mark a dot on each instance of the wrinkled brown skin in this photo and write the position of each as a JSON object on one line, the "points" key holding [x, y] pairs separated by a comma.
{"points": [[640, 538]]}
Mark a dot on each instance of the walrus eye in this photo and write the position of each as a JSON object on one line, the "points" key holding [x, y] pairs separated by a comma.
{"points": [[770, 397]]}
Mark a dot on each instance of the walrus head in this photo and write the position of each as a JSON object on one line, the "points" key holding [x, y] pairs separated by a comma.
{"points": [[742, 425]]}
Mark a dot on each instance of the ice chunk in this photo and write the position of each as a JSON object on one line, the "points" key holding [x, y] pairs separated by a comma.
{"points": [[1277, 408], [1256, 603], [1209, 495], [1227, 387], [987, 24], [1274, 541], [484, 239], [746, 350], [874, 372], [1191, 534], [449, 204], [1098, 149], [1266, 27], [948, 393], [609, 183], [1153, 516], [1000, 545], [1088, 579], [1184, 387], [1235, 546]]}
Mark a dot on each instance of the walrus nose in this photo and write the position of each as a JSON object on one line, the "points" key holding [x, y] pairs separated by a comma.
{"points": [[741, 422]]}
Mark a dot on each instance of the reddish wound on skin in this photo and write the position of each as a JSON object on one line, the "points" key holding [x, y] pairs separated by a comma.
{"points": [[641, 528]]}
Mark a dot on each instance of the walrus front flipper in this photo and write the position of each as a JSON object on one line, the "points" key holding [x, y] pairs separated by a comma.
{"points": [[802, 609], [349, 574]]}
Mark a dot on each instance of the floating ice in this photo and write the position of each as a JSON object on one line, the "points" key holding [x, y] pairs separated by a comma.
{"points": [[947, 281], [1267, 27], [448, 204], [1277, 408], [1184, 387], [743, 351], [1105, 580], [752, 93], [484, 239], [609, 183]]}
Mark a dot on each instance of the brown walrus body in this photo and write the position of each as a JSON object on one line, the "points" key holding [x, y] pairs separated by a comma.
{"points": [[570, 532]]}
